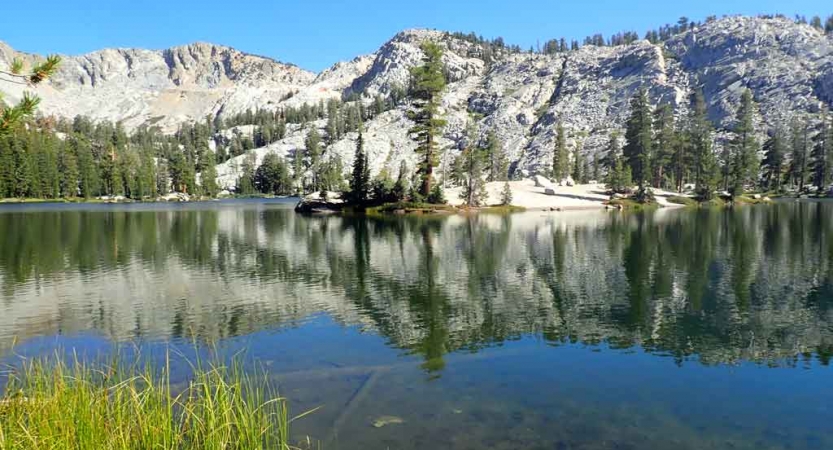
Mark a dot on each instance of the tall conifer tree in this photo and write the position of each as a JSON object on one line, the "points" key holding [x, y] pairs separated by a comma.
{"points": [[427, 83]]}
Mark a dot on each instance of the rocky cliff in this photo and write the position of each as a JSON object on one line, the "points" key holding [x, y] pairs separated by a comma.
{"points": [[519, 96], [165, 87]]}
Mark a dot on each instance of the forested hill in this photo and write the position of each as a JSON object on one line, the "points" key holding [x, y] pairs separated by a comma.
{"points": [[213, 109]]}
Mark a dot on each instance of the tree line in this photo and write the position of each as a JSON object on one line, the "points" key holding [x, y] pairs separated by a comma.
{"points": [[53, 159], [662, 150], [57, 158], [661, 34]]}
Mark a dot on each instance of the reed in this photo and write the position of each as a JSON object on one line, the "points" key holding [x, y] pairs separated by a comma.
{"points": [[65, 403]]}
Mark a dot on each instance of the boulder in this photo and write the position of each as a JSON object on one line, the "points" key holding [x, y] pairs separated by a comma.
{"points": [[175, 197], [314, 206]]}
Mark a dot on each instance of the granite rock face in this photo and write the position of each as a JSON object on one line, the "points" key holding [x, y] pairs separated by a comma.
{"points": [[520, 97], [165, 87]]}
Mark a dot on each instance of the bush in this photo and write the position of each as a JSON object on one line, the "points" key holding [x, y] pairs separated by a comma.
{"points": [[645, 195], [436, 196]]}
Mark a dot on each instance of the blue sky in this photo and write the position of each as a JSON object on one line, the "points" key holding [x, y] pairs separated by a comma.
{"points": [[316, 34]]}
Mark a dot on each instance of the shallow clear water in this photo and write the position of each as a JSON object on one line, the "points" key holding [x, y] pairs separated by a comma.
{"points": [[682, 329]]}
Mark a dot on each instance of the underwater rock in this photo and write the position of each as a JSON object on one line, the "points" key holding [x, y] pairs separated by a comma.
{"points": [[382, 421]]}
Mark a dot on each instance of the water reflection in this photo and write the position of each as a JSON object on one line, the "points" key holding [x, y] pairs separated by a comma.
{"points": [[722, 287]]}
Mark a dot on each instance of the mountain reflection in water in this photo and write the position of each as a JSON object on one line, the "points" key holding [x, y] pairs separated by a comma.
{"points": [[722, 287]]}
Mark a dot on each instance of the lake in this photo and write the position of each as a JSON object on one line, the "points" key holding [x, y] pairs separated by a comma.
{"points": [[673, 329]]}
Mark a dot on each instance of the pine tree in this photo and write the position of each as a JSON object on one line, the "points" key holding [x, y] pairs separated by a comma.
{"points": [[815, 22], [68, 168], [560, 158], [596, 169], [23, 173], [147, 173], [664, 143], [586, 172], [110, 172], [312, 144], [382, 187], [208, 176], [799, 142], [577, 174], [744, 166], [378, 105], [333, 174], [498, 164], [694, 145], [87, 169], [272, 176], [682, 164], [333, 129], [129, 170], [619, 179], [163, 182], [709, 177], [822, 154], [638, 137], [7, 168], [360, 179], [506, 194], [436, 196], [474, 187], [773, 162], [427, 81], [47, 165], [178, 167], [400, 188], [697, 147], [189, 176], [245, 183], [298, 171]]}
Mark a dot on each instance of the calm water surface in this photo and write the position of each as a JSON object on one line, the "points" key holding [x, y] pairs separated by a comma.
{"points": [[588, 330]]}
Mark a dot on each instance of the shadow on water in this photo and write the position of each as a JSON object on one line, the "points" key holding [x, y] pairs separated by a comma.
{"points": [[449, 323]]}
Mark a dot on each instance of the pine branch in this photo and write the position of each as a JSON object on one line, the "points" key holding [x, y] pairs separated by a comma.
{"points": [[45, 69], [39, 72], [12, 116], [17, 66]]}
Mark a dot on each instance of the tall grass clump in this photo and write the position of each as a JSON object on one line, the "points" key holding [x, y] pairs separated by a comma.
{"points": [[64, 403]]}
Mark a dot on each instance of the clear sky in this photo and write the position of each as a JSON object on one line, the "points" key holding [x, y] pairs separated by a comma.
{"points": [[316, 34]]}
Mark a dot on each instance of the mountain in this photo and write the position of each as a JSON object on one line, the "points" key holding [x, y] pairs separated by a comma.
{"points": [[788, 66], [165, 87]]}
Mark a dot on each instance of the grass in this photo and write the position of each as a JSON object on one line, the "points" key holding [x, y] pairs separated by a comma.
{"points": [[631, 204], [715, 202], [502, 209], [52, 403], [41, 200], [686, 201], [747, 200]]}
